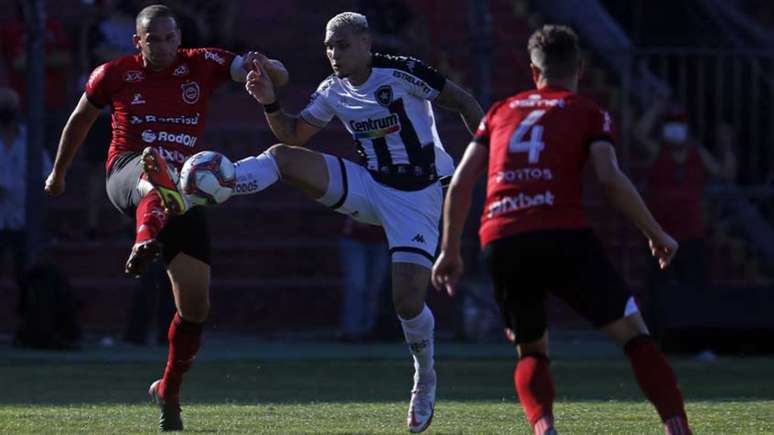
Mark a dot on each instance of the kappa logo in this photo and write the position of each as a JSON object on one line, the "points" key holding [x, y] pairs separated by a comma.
{"points": [[137, 99], [419, 238], [384, 95], [135, 120], [133, 76], [190, 92], [181, 70]]}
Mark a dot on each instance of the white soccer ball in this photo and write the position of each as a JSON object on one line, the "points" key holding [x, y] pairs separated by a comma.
{"points": [[208, 178]]}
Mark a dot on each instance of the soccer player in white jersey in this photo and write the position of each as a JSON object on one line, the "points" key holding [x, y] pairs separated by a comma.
{"points": [[384, 102]]}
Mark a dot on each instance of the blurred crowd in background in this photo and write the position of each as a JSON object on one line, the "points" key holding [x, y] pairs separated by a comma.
{"points": [[691, 102]]}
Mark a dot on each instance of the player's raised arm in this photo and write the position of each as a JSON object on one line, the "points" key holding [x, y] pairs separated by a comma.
{"points": [[625, 198], [288, 128], [456, 99], [275, 69], [449, 267], [643, 130], [74, 133]]}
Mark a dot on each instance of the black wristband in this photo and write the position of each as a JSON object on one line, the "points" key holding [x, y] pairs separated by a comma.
{"points": [[273, 107]]}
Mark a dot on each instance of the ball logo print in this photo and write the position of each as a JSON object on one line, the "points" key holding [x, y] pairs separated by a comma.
{"points": [[190, 92]]}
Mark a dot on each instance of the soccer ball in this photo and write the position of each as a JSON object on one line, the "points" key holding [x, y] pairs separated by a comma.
{"points": [[208, 178]]}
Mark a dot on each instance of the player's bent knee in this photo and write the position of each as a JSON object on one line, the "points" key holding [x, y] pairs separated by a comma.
{"points": [[190, 278], [538, 346], [282, 155], [299, 166], [409, 289], [408, 302], [626, 328], [196, 313], [193, 302], [408, 308]]}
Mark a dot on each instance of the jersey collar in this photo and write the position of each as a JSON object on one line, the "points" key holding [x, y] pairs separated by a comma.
{"points": [[553, 88], [171, 67]]}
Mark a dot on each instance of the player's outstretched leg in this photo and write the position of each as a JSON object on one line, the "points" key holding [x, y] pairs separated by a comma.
{"points": [[164, 180], [150, 220], [302, 168], [655, 376], [409, 289]]}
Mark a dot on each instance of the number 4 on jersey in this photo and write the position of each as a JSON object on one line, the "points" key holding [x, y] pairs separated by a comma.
{"points": [[534, 145]]}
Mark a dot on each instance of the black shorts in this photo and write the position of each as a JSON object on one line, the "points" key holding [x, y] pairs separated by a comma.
{"points": [[187, 233], [571, 264]]}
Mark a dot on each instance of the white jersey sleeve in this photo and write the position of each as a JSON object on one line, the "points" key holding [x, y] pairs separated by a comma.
{"points": [[319, 112]]}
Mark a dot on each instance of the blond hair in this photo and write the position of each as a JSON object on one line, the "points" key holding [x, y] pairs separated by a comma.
{"points": [[357, 22]]}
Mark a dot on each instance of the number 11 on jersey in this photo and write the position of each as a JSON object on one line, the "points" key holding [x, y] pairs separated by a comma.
{"points": [[534, 145]]}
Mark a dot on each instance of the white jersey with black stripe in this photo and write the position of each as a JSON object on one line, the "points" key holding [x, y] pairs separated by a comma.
{"points": [[389, 116]]}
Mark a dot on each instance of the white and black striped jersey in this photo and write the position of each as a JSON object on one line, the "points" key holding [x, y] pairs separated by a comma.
{"points": [[389, 116]]}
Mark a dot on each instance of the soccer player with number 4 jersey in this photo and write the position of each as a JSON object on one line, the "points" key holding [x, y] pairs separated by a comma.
{"points": [[534, 233]]}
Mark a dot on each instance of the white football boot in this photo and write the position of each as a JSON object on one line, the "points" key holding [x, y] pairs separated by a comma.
{"points": [[422, 405]]}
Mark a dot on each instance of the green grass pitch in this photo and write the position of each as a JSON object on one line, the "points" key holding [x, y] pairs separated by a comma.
{"points": [[281, 388]]}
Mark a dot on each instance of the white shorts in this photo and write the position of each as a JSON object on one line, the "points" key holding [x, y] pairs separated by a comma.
{"points": [[410, 219]]}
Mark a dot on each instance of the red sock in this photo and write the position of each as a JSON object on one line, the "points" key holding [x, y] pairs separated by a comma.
{"points": [[184, 341], [656, 378], [150, 217], [535, 388]]}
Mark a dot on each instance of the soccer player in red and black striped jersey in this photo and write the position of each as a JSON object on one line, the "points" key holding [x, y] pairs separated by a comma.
{"points": [[534, 233], [159, 101]]}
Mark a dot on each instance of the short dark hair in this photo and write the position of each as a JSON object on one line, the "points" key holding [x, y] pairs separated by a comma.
{"points": [[150, 13], [554, 49]]}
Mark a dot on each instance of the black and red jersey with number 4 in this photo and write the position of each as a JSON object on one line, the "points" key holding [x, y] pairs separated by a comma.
{"points": [[538, 145], [165, 109]]}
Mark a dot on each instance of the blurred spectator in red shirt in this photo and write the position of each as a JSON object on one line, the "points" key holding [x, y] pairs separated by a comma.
{"points": [[58, 61], [679, 170], [57, 67]]}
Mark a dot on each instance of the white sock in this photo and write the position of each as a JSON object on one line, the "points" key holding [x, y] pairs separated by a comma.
{"points": [[255, 173], [419, 337]]}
